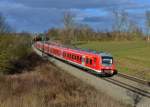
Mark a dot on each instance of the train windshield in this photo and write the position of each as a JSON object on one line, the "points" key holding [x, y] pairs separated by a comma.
{"points": [[107, 60]]}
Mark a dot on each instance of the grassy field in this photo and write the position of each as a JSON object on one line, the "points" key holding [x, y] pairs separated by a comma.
{"points": [[131, 57]]}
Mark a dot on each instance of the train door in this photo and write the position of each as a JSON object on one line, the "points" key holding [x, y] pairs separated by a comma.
{"points": [[83, 60]]}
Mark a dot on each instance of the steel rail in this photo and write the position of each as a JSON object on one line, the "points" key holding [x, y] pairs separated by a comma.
{"points": [[134, 89], [144, 82]]}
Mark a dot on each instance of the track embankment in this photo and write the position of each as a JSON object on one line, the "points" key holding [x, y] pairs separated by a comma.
{"points": [[127, 93]]}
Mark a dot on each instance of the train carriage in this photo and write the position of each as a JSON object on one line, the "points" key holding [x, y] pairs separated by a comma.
{"points": [[46, 48], [100, 63]]}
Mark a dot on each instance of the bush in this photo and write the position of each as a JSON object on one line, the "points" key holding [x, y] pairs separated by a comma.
{"points": [[12, 49]]}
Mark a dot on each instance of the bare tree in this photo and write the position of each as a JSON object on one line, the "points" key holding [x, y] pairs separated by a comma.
{"points": [[124, 26], [134, 29], [68, 33], [53, 33], [121, 21], [148, 24], [4, 27], [69, 22]]}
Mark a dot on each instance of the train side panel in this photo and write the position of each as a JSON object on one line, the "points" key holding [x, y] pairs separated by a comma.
{"points": [[84, 59]]}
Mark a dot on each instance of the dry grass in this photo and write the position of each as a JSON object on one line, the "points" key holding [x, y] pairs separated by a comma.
{"points": [[46, 86]]}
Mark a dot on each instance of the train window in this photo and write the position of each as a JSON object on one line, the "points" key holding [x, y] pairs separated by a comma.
{"points": [[80, 59], [70, 55], [91, 61], [77, 58], [87, 60]]}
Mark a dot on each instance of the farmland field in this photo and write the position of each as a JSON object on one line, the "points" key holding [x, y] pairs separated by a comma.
{"points": [[131, 57]]}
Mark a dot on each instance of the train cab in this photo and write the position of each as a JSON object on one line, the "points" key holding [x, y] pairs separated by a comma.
{"points": [[107, 64]]}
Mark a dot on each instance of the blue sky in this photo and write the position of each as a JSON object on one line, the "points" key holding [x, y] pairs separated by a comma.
{"points": [[40, 15]]}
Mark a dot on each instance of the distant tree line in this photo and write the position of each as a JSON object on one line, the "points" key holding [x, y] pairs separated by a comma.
{"points": [[123, 29]]}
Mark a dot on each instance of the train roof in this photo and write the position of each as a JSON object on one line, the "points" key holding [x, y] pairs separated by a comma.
{"points": [[79, 50], [89, 51]]}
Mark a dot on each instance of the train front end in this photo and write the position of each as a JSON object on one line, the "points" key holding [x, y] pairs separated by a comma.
{"points": [[107, 65]]}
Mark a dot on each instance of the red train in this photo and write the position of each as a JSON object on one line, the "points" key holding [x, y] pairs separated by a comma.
{"points": [[99, 63]]}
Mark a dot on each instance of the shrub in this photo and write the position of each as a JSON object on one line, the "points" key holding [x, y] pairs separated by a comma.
{"points": [[12, 49]]}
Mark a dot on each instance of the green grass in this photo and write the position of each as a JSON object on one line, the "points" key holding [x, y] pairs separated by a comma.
{"points": [[131, 57]]}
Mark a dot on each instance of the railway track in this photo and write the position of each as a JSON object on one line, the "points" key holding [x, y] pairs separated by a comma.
{"points": [[126, 85], [132, 88], [144, 82], [138, 87]]}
